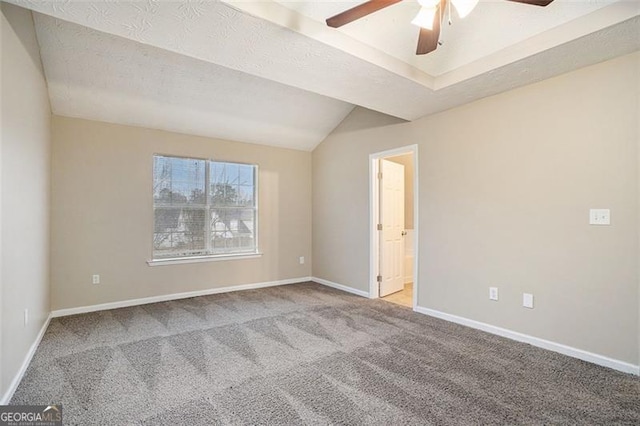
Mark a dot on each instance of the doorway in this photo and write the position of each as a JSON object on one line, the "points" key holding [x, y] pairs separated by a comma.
{"points": [[394, 225]]}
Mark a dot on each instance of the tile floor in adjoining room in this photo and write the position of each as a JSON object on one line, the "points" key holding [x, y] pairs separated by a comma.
{"points": [[402, 297]]}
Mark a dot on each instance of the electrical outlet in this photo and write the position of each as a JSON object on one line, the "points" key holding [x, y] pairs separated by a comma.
{"points": [[96, 279], [301, 260], [527, 300], [493, 293], [26, 317], [599, 217]]}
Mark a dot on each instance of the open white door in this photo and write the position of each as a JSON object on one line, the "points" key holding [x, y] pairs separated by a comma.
{"points": [[392, 234]]}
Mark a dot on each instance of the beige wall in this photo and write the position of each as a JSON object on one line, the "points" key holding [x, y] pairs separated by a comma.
{"points": [[506, 184], [102, 214], [25, 171], [407, 161]]}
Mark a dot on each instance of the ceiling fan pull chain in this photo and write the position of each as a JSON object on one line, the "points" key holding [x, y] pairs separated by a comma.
{"points": [[449, 11]]}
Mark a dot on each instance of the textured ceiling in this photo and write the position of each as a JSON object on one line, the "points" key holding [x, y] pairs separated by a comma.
{"points": [[259, 71], [102, 77]]}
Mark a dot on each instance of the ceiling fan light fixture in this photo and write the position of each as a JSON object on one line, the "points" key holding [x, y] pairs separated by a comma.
{"points": [[464, 7], [424, 18]]}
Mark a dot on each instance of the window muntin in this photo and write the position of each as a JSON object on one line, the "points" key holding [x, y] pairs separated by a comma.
{"points": [[203, 208]]}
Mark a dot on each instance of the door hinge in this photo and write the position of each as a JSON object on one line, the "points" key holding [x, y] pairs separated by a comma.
{"points": [[379, 227], [379, 175], [379, 278]]}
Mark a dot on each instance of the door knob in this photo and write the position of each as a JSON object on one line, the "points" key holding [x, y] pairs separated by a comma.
{"points": [[404, 233]]}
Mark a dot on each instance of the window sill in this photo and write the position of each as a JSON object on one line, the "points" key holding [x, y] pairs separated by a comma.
{"points": [[198, 259]]}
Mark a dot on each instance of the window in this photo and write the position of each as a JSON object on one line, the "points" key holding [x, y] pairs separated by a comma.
{"points": [[203, 208]]}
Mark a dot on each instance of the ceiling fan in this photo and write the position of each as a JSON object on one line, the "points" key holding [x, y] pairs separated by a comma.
{"points": [[428, 18]]}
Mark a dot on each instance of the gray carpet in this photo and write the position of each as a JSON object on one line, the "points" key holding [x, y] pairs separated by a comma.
{"points": [[308, 354]]}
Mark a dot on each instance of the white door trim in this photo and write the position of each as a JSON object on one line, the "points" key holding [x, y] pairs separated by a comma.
{"points": [[374, 210]]}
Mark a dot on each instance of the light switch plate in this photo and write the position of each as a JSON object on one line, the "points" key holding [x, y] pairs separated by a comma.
{"points": [[599, 217], [527, 300], [493, 293]]}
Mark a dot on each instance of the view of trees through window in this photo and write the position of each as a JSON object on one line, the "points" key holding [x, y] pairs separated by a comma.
{"points": [[203, 207]]}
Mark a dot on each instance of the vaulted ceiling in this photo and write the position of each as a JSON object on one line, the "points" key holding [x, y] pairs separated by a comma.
{"points": [[271, 72]]}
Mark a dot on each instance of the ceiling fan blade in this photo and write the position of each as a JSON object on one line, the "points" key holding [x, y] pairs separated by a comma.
{"points": [[534, 2], [428, 39], [358, 12]]}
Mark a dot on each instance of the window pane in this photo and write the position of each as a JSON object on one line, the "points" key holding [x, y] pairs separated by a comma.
{"points": [[232, 184], [245, 175], [232, 230], [226, 173], [224, 194], [179, 232], [224, 189], [188, 223], [216, 171], [166, 218], [232, 172], [178, 180], [245, 195]]}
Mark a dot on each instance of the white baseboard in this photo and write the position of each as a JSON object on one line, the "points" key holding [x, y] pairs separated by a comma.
{"points": [[174, 296], [602, 360], [340, 287], [23, 368]]}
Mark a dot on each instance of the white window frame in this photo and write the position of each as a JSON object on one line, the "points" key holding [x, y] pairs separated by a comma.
{"points": [[207, 229]]}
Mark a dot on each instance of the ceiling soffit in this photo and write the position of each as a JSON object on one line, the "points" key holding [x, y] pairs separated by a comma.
{"points": [[268, 40]]}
